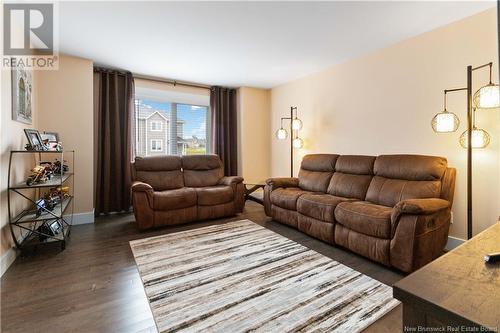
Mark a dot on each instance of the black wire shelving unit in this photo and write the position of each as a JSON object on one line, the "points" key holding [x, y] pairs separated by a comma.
{"points": [[28, 228]]}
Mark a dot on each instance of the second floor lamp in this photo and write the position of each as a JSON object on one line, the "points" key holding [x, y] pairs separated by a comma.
{"points": [[295, 126]]}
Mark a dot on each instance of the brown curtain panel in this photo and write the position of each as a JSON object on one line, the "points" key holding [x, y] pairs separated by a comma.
{"points": [[224, 127], [114, 109]]}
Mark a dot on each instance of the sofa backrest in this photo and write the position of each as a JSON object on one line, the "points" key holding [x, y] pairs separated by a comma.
{"points": [[202, 170], [353, 174], [400, 177], [161, 172], [316, 170]]}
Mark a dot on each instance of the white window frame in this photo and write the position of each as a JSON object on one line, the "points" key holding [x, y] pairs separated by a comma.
{"points": [[156, 122], [156, 144]]}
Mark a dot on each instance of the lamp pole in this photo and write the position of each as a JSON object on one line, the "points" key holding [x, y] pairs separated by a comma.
{"points": [[292, 108], [295, 126], [469, 152]]}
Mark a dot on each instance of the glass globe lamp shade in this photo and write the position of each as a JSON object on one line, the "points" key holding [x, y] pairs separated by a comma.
{"points": [[445, 122], [488, 97], [479, 138], [297, 143], [296, 124], [281, 134]]}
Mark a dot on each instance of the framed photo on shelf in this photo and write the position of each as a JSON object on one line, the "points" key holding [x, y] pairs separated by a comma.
{"points": [[50, 136], [55, 228], [35, 141], [50, 139]]}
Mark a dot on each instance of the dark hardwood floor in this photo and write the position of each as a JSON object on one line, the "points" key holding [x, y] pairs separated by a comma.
{"points": [[94, 286]]}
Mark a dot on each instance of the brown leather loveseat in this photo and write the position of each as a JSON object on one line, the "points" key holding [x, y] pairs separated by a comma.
{"points": [[170, 190], [394, 209]]}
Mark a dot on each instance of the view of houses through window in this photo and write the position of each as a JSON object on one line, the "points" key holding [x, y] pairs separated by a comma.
{"points": [[156, 134]]}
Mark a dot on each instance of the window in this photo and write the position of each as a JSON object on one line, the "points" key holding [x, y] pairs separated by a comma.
{"points": [[156, 145], [156, 126]]}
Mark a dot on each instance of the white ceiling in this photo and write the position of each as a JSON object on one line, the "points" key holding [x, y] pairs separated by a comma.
{"points": [[259, 44]]}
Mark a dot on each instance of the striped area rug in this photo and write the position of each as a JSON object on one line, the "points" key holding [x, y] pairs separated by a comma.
{"points": [[241, 277]]}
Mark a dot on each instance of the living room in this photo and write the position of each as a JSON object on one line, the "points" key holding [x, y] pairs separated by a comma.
{"points": [[250, 166]]}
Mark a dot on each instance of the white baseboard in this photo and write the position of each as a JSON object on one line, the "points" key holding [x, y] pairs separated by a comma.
{"points": [[454, 242], [7, 260], [81, 218]]}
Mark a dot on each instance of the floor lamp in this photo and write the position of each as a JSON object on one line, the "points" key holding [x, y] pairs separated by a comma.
{"points": [[487, 97], [295, 126]]}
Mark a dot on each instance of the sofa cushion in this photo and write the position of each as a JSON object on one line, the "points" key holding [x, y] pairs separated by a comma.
{"points": [[349, 186], [352, 176], [214, 195], [389, 192], [319, 206], [401, 177], [287, 197], [316, 171], [174, 199], [355, 164], [202, 170], [365, 217], [316, 228], [161, 172], [375, 248], [285, 216], [410, 167]]}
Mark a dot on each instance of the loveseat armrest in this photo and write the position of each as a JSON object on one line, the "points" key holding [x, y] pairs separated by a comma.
{"points": [[142, 201], [138, 186], [418, 207], [230, 180], [278, 182]]}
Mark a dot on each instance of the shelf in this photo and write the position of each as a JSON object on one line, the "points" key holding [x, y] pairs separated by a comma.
{"points": [[52, 182], [30, 215], [41, 151], [33, 240], [25, 224]]}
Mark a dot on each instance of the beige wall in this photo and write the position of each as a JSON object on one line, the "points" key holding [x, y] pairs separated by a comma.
{"points": [[254, 162], [383, 103], [65, 106]]}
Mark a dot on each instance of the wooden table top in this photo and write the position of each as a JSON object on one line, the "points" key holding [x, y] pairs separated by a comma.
{"points": [[460, 282]]}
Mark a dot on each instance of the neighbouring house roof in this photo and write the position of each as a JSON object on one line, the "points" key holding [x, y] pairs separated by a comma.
{"points": [[195, 140], [146, 112]]}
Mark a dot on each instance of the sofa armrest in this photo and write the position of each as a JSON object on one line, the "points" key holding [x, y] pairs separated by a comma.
{"points": [[419, 207], [419, 231], [142, 201], [274, 183], [230, 180], [278, 182], [138, 186]]}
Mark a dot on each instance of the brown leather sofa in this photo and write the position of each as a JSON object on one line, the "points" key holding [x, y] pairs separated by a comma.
{"points": [[170, 190], [394, 209]]}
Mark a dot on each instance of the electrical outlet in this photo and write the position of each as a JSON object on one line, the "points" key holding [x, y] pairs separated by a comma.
{"points": [[451, 218]]}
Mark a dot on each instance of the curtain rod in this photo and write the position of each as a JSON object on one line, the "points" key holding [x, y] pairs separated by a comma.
{"points": [[172, 82], [111, 70]]}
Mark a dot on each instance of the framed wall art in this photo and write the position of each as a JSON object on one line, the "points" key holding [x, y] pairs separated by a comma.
{"points": [[22, 82]]}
